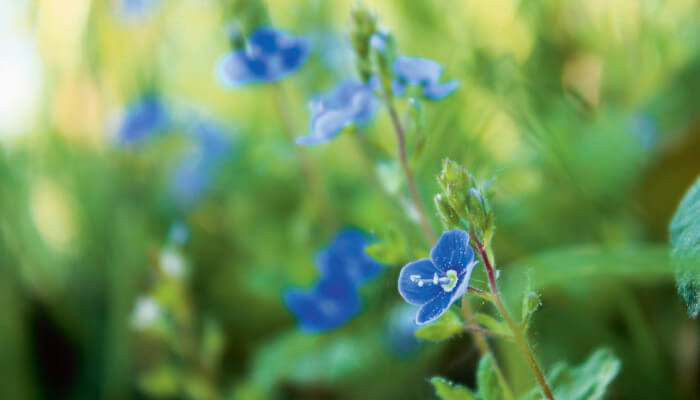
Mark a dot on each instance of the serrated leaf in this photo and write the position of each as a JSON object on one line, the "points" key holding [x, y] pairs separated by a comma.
{"points": [[448, 325], [487, 380], [493, 324], [447, 390], [589, 381], [685, 248]]}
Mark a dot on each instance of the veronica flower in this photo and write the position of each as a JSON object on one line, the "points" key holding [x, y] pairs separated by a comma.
{"points": [[422, 72], [435, 283], [350, 102], [329, 305], [346, 256], [143, 119], [271, 55], [334, 300]]}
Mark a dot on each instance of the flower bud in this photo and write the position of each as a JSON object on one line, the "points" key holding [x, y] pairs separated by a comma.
{"points": [[447, 213]]}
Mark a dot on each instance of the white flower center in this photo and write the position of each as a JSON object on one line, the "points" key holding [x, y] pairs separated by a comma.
{"points": [[447, 282]]}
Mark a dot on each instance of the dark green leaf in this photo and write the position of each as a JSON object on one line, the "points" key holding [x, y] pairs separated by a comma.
{"points": [[685, 248]]}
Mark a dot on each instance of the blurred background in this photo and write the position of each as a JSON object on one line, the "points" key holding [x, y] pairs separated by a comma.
{"points": [[151, 219]]}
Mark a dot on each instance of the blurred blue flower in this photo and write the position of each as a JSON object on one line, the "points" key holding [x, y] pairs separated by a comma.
{"points": [[644, 127], [192, 177], [190, 180], [346, 257], [271, 55], [329, 305], [343, 265], [137, 9], [422, 72], [401, 331], [351, 101], [144, 118], [437, 282]]}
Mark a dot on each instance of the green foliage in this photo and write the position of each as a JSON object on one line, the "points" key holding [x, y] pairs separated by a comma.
{"points": [[487, 379], [685, 248], [588, 381], [390, 249], [447, 326], [530, 303], [447, 390], [493, 324]]}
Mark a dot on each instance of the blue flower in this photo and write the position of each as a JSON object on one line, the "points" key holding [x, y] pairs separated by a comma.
{"points": [[424, 73], [143, 119], [193, 176], [329, 305], [437, 282], [346, 257], [351, 101], [334, 300], [271, 55]]}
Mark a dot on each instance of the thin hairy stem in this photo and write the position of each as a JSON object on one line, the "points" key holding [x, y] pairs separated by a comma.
{"points": [[483, 345], [410, 180], [515, 328]]}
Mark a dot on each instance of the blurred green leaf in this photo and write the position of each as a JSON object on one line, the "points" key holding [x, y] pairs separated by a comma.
{"points": [[390, 249], [685, 248], [487, 379], [493, 324], [589, 381], [447, 390], [448, 325], [160, 381]]}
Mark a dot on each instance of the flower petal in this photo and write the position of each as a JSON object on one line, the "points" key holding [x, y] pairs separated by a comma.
{"points": [[346, 256], [416, 70], [452, 251], [410, 290], [351, 101], [437, 91], [433, 309], [234, 69], [329, 305]]}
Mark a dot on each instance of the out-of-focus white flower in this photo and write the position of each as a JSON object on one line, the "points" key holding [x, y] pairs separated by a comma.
{"points": [[172, 263], [145, 313]]}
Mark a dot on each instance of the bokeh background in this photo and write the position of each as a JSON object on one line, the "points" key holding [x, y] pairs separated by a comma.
{"points": [[155, 267]]}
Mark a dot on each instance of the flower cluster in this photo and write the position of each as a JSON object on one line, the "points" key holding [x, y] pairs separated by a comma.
{"points": [[435, 283], [354, 101], [269, 56], [334, 300]]}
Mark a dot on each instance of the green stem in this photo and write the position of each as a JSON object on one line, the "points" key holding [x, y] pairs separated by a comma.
{"points": [[410, 180], [484, 347], [518, 334]]}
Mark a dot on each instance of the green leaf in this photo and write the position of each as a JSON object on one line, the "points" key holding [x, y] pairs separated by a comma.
{"points": [[447, 390], [487, 379], [445, 327], [493, 324], [589, 381], [685, 248], [161, 381], [391, 248]]}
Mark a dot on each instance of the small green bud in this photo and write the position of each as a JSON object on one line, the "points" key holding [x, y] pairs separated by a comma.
{"points": [[363, 24], [447, 213]]}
